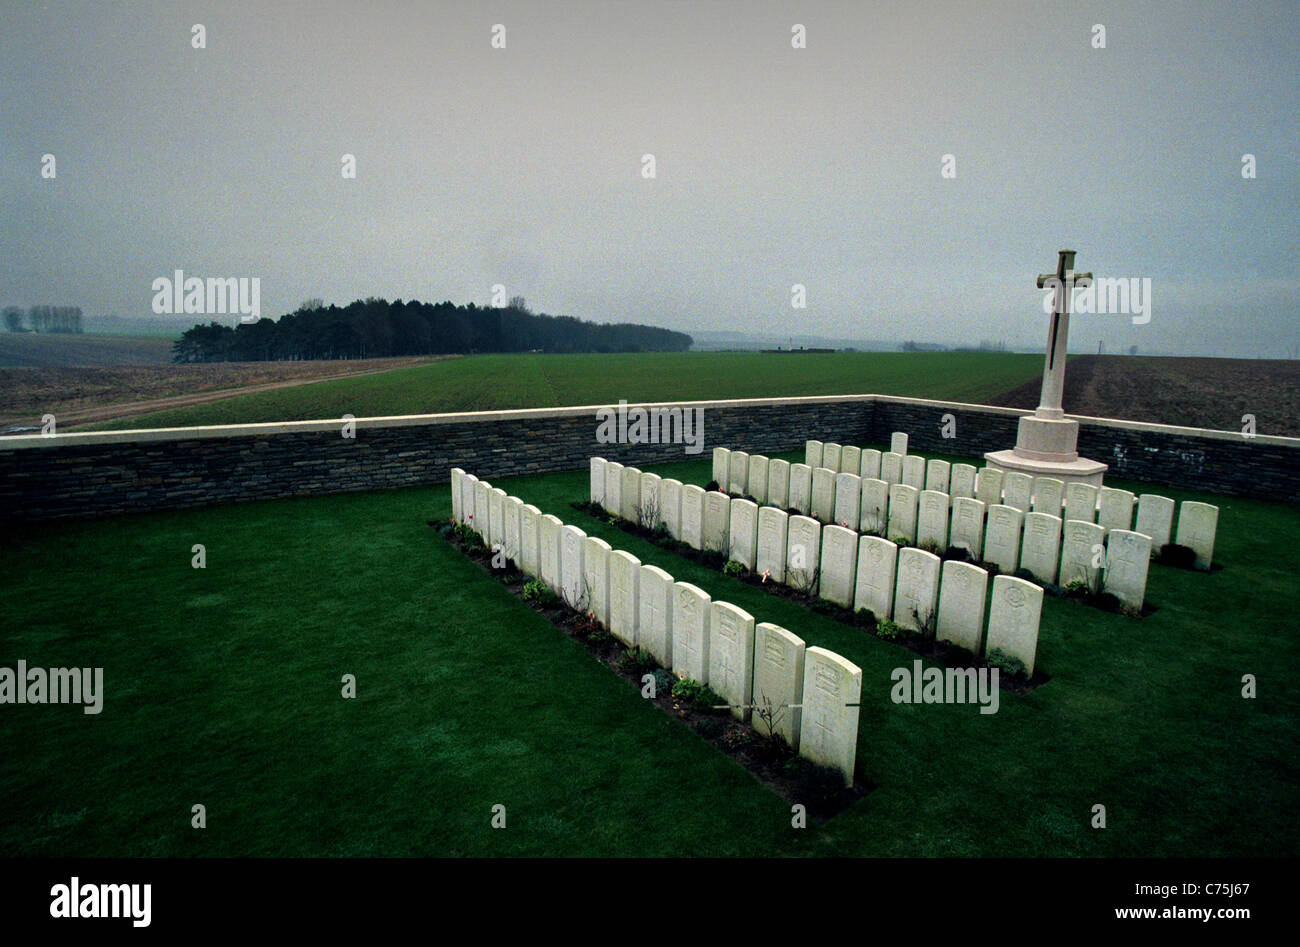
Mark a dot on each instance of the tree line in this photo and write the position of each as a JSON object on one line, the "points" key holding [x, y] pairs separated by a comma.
{"points": [[376, 328], [43, 319]]}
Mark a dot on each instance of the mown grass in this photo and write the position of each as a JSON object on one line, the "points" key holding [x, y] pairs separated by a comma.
{"points": [[223, 688], [490, 382]]}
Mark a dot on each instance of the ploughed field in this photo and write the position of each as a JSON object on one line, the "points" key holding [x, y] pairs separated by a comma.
{"points": [[222, 687]]}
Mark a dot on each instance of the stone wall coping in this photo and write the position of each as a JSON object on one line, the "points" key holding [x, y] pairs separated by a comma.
{"points": [[140, 436]]}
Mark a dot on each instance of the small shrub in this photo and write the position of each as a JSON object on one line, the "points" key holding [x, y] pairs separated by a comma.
{"points": [[634, 660], [1012, 666], [902, 542], [687, 690], [663, 682], [538, 591], [892, 631], [933, 548], [734, 568]]}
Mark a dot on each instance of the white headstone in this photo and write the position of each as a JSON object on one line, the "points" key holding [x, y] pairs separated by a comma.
{"points": [[511, 507], [874, 589], [937, 474], [1013, 620], [1128, 557], [778, 682], [670, 506], [758, 468], [693, 516], [717, 516], [932, 520], [891, 468], [595, 570], [654, 628], [721, 467], [898, 443], [497, 521], [691, 610], [650, 513], [573, 579], [916, 595], [1155, 518], [902, 513], [548, 537], [738, 481], [914, 471], [1002, 537], [742, 533], [962, 482], [851, 460], [823, 494], [624, 580], [1017, 490], [530, 540], [1115, 509], [803, 552], [1049, 496], [456, 475], [839, 565], [1040, 548], [1198, 524], [613, 488], [731, 656], [631, 495], [778, 484], [1081, 502], [812, 454], [801, 488], [875, 507], [848, 500], [963, 590], [468, 483], [828, 731], [482, 516], [988, 486], [870, 469], [1082, 553], [967, 526], [773, 534], [597, 487], [831, 454]]}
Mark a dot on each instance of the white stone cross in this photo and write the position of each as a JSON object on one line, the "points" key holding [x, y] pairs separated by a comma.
{"points": [[1063, 281]]}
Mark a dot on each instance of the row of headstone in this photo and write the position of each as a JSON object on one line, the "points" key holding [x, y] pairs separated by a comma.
{"points": [[867, 503], [807, 695], [857, 571]]}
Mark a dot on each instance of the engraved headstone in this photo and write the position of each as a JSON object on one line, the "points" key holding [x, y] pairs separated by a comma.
{"points": [[1115, 509], [1081, 502], [624, 579], [962, 482], [573, 585], [839, 565], [1155, 518], [875, 507], [1198, 524], [967, 526], [832, 691], [773, 534], [851, 460], [932, 520], [902, 513], [595, 571], [1013, 620], [937, 474], [988, 486], [778, 682], [649, 511], [963, 590], [1049, 495], [812, 454], [614, 488], [654, 628], [468, 484], [691, 609], [731, 656], [870, 467], [738, 480], [916, 594], [874, 589], [482, 517], [848, 500], [530, 540], [898, 443], [801, 488], [630, 495], [717, 518], [693, 516], [1082, 553], [802, 553], [721, 467], [1128, 557], [1017, 490], [511, 507], [758, 468], [597, 487], [456, 494], [1040, 548], [742, 533], [1002, 537], [548, 538], [497, 518], [670, 506], [831, 457], [778, 484], [914, 471], [823, 494], [891, 468]]}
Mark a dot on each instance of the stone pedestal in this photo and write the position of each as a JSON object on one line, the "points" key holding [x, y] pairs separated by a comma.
{"points": [[1045, 447]]}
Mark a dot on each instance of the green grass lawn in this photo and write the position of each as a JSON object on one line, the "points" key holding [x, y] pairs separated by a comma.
{"points": [[223, 688], [491, 382]]}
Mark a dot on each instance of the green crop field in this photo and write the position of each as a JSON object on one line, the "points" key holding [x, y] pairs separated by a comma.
{"points": [[489, 382], [222, 687]]}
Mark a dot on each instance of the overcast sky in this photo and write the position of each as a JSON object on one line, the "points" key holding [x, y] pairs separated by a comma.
{"points": [[774, 165]]}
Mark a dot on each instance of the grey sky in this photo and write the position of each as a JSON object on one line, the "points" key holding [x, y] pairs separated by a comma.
{"points": [[775, 166]]}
